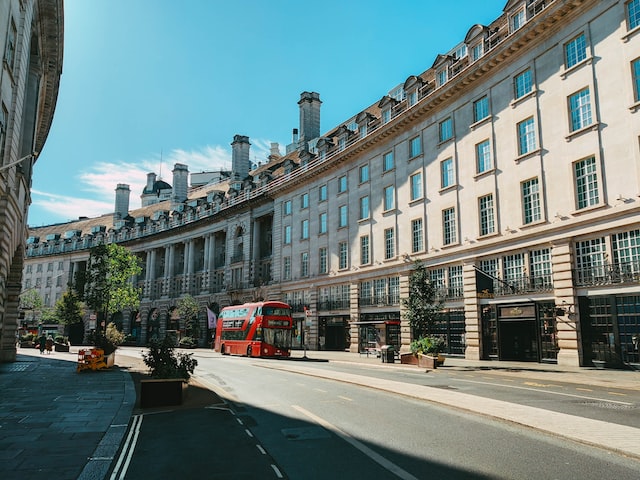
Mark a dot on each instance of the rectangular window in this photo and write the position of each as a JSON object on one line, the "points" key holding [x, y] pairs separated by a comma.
{"points": [[59, 282], [477, 51], [591, 253], [364, 208], [412, 98], [39, 268], [513, 267], [287, 234], [455, 283], [389, 243], [417, 236], [450, 233], [48, 282], [29, 268], [364, 250], [304, 264], [445, 130], [304, 200], [323, 265], [415, 147], [483, 157], [517, 20], [304, 229], [364, 173], [635, 74], [60, 265], [447, 173], [286, 208], [480, 109], [416, 186], [633, 14], [580, 108], [531, 201], [387, 162], [386, 115], [523, 84], [50, 267], [342, 184], [286, 268], [540, 267], [626, 251], [362, 131], [526, 136], [586, 177], [389, 198], [442, 77], [343, 255], [575, 51], [322, 193], [487, 221], [322, 223], [344, 219], [342, 143], [10, 47]]}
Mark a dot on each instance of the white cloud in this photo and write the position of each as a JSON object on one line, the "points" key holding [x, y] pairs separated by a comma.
{"points": [[100, 181]]}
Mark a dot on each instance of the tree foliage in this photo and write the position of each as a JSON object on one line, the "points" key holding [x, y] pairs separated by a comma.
{"points": [[188, 308], [69, 309], [108, 287], [422, 307], [31, 300]]}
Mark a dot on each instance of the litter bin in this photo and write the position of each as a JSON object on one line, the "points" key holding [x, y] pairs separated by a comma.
{"points": [[387, 354]]}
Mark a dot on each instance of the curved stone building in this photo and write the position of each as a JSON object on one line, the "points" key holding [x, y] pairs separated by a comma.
{"points": [[31, 42], [510, 167]]}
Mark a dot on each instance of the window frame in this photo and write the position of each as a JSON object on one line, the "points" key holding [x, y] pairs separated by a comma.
{"points": [[527, 136], [322, 193], [388, 163], [531, 204], [415, 147], [363, 173], [449, 226], [481, 109], [416, 187], [343, 217], [575, 51], [586, 183], [484, 160], [632, 17], [389, 198], [447, 175], [365, 250], [322, 223], [486, 215], [417, 235], [389, 243], [523, 84], [580, 114], [365, 208], [342, 184], [445, 127]]}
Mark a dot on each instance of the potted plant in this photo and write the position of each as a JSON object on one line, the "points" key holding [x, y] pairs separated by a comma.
{"points": [[188, 342], [27, 341], [169, 374], [427, 349]]}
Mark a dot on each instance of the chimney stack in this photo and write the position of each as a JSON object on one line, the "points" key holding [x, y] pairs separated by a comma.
{"points": [[240, 162], [180, 184], [309, 116], [151, 180], [122, 201]]}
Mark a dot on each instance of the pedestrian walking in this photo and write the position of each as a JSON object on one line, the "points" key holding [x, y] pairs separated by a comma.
{"points": [[42, 342]]}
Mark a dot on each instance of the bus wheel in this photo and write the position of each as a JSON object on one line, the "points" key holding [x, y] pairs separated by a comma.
{"points": [[249, 351]]}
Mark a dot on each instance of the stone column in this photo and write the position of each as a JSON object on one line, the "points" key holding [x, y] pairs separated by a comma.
{"points": [[567, 325], [472, 317], [406, 336]]}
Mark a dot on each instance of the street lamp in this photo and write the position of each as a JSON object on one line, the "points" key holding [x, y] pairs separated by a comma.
{"points": [[20, 160]]}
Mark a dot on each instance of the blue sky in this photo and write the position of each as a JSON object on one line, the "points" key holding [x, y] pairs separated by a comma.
{"points": [[149, 83]]}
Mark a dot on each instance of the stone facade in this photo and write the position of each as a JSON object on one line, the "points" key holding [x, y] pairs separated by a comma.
{"points": [[31, 38], [510, 169]]}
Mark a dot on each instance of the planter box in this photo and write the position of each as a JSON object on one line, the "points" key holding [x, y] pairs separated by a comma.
{"points": [[161, 392], [427, 361], [27, 345], [408, 359], [60, 347]]}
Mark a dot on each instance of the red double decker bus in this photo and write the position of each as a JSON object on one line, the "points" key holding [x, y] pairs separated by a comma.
{"points": [[261, 329]]}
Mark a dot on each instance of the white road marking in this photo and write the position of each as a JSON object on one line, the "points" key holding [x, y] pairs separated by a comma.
{"points": [[127, 450]]}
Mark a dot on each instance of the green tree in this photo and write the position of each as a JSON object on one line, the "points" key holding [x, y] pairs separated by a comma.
{"points": [[188, 308], [31, 300], [422, 307], [108, 287], [69, 309]]}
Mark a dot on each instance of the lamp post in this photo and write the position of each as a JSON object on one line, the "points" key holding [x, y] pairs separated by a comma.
{"points": [[20, 160]]}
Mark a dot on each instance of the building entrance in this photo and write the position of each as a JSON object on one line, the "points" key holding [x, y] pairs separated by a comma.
{"points": [[518, 340]]}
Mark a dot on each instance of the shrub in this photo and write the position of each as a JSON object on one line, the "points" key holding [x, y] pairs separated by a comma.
{"points": [[163, 362], [188, 342], [427, 345], [109, 340], [61, 339]]}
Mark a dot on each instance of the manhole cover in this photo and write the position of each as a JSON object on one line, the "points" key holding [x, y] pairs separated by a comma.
{"points": [[305, 433]]}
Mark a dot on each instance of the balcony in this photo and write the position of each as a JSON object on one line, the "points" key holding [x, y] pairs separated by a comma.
{"points": [[325, 305], [607, 274], [523, 285], [379, 300]]}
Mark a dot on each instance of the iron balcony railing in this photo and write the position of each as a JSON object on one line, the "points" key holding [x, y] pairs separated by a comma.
{"points": [[607, 274]]}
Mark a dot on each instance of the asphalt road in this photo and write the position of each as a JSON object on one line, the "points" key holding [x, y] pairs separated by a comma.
{"points": [[315, 428]]}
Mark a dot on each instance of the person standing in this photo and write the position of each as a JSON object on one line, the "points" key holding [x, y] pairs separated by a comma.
{"points": [[42, 342]]}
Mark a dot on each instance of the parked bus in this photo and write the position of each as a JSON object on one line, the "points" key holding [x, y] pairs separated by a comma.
{"points": [[261, 329]]}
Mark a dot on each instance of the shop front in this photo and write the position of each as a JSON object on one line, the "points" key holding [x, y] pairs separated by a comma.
{"points": [[333, 333], [522, 332], [378, 329]]}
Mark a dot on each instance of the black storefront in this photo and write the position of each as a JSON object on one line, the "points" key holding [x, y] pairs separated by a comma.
{"points": [[378, 329], [523, 332]]}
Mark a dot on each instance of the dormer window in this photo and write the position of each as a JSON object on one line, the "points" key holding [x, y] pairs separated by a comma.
{"points": [[517, 20], [386, 115], [362, 131], [441, 77], [477, 51], [412, 98]]}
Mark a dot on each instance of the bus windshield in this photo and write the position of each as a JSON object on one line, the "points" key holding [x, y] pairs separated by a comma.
{"points": [[277, 337]]}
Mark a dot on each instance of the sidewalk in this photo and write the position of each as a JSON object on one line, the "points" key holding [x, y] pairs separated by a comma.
{"points": [[71, 425]]}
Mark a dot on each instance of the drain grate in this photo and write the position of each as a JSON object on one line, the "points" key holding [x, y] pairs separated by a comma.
{"points": [[15, 367]]}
